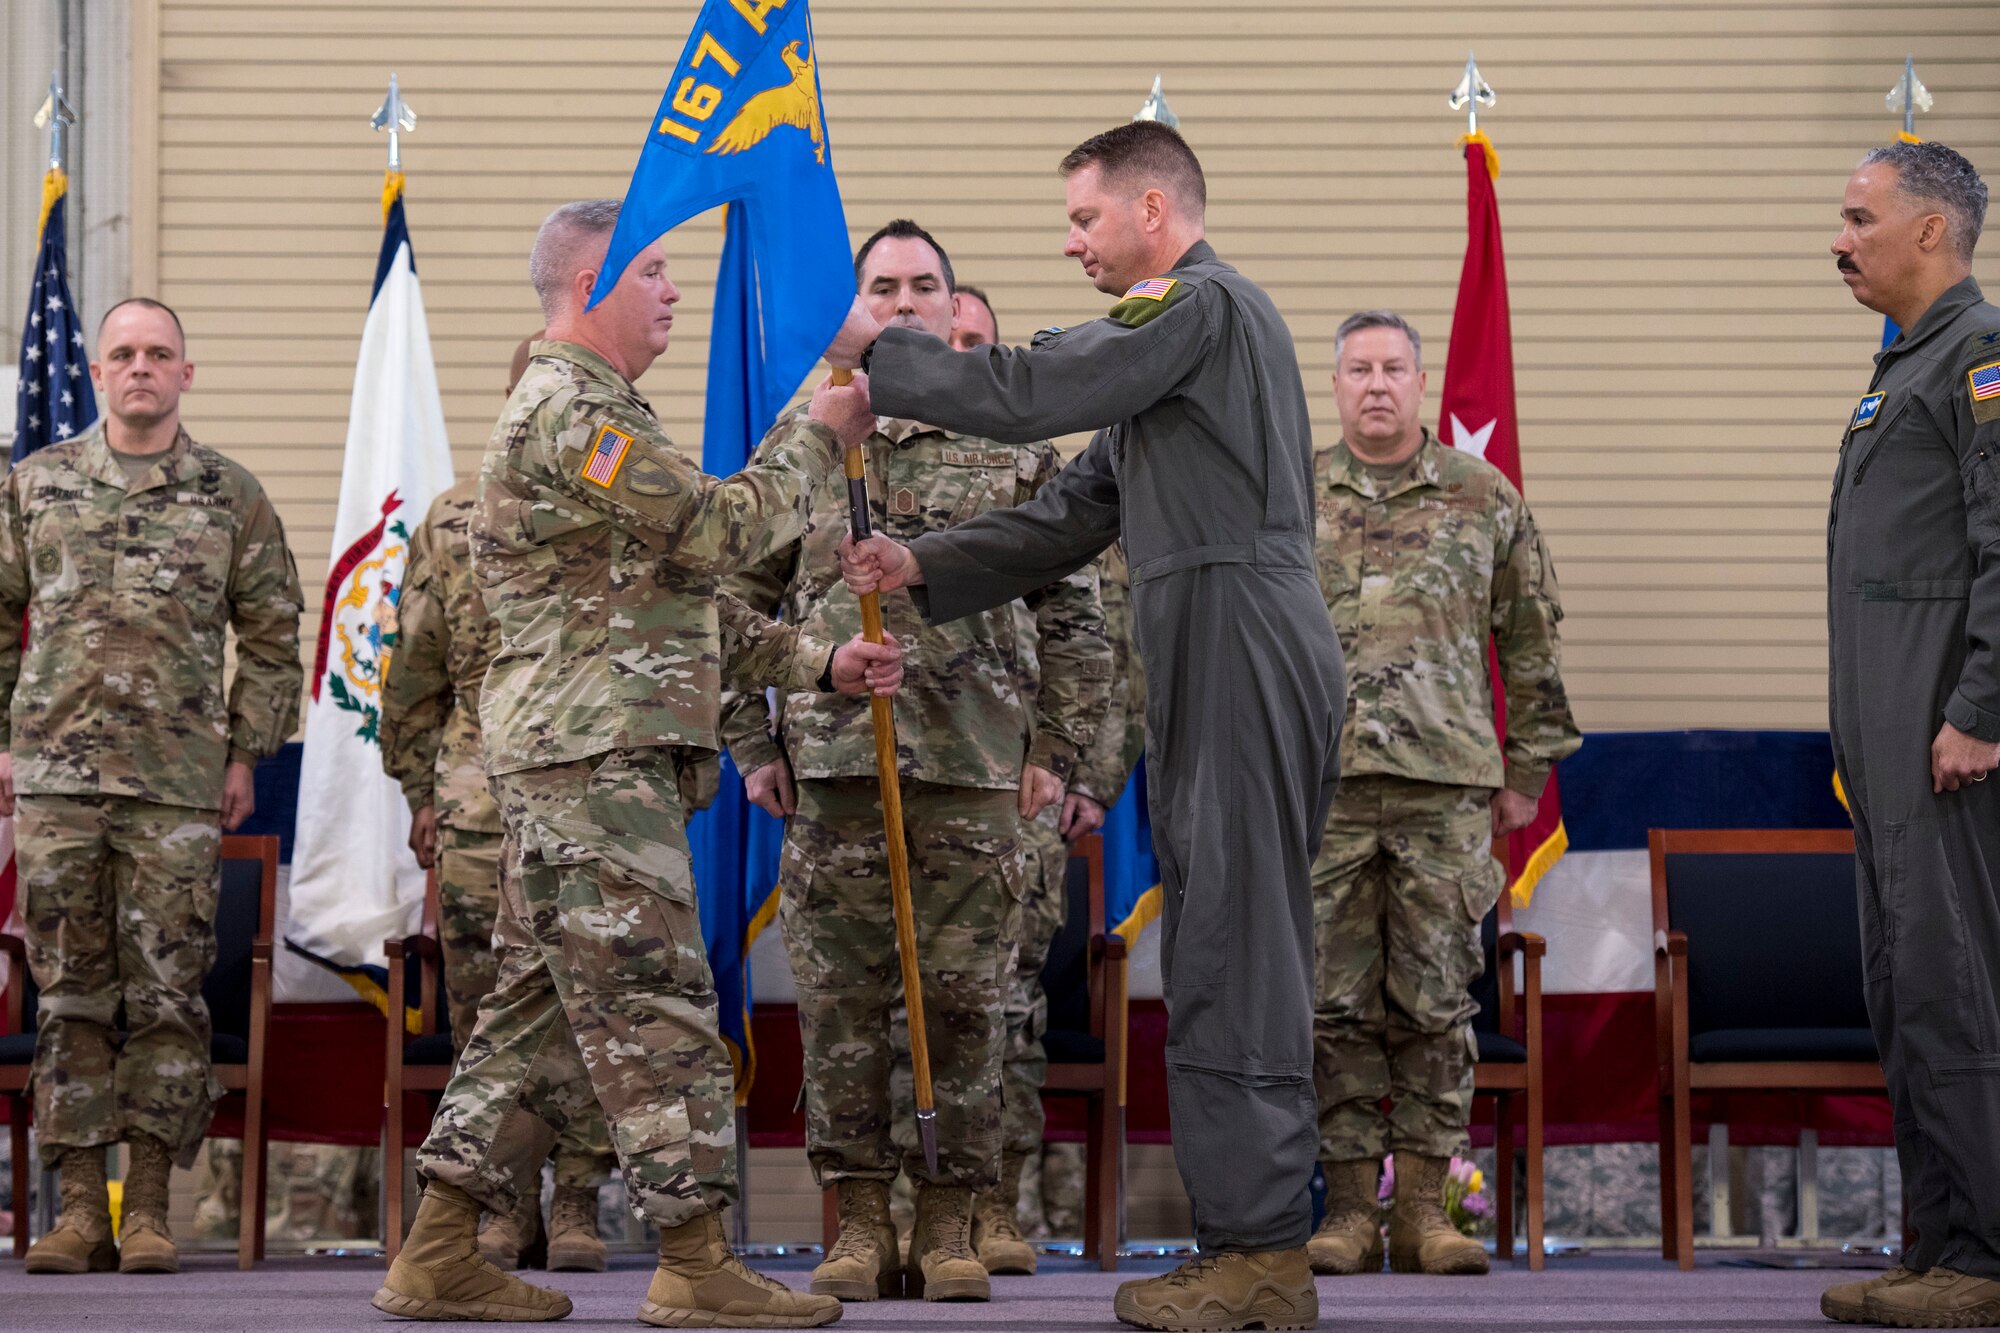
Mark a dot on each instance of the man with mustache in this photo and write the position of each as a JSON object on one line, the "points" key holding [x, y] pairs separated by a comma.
{"points": [[1913, 632], [980, 756], [1203, 464]]}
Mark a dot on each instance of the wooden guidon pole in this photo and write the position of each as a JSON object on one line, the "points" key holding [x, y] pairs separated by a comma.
{"points": [[883, 711]]}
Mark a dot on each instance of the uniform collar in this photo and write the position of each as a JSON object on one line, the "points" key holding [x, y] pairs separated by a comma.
{"points": [[593, 365], [1349, 471], [1956, 300], [1197, 253], [100, 464]]}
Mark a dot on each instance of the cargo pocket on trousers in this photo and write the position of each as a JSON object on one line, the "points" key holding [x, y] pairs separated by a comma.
{"points": [[619, 933], [660, 1129], [1481, 889], [1927, 954], [1969, 1093]]}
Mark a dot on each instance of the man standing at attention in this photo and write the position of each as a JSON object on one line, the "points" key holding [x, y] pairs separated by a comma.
{"points": [[133, 551], [1203, 461], [1425, 554], [1913, 628]]}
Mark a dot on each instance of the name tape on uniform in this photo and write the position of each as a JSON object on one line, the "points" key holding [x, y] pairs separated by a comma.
{"points": [[1865, 411], [607, 454]]}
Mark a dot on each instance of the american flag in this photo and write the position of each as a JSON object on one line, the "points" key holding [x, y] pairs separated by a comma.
{"points": [[54, 400], [605, 458], [1986, 382], [1157, 288]]}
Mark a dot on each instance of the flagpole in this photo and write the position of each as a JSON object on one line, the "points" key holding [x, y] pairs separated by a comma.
{"points": [[1909, 96]]}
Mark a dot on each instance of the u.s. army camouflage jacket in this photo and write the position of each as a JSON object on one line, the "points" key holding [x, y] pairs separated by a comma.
{"points": [[597, 545], [130, 590], [1417, 572], [1107, 762], [445, 639], [961, 717]]}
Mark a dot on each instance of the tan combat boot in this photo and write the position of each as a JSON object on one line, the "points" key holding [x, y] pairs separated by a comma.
{"points": [[700, 1283], [81, 1241], [516, 1240], [145, 1244], [1847, 1303], [995, 1236], [574, 1246], [1939, 1298], [864, 1262], [1349, 1239], [1421, 1238], [942, 1264], [1214, 1292], [440, 1275]]}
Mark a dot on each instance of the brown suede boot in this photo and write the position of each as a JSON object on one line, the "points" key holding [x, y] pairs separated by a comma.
{"points": [[1214, 1292], [864, 1262], [145, 1245], [942, 1264], [996, 1239], [700, 1283], [516, 1240], [1847, 1303], [1421, 1238], [81, 1241], [440, 1275], [1349, 1239], [574, 1246], [1937, 1298]]}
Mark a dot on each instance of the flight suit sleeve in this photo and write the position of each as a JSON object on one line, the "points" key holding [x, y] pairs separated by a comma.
{"points": [[1076, 379], [995, 557], [1974, 705], [1075, 659], [264, 602], [417, 693], [1526, 613], [746, 727], [759, 651], [619, 464], [15, 589]]}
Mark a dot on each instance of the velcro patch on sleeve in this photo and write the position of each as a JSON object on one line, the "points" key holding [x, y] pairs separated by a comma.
{"points": [[1984, 382], [1152, 289], [607, 455]]}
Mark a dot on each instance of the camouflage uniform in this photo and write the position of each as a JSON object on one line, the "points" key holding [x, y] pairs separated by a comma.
{"points": [[964, 726], [430, 745], [1417, 569], [120, 735], [597, 545]]}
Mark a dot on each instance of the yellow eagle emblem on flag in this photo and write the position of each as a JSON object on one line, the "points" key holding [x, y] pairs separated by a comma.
{"points": [[795, 103]]}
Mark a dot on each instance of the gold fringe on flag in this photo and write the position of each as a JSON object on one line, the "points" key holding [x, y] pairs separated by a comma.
{"points": [[392, 190], [54, 186], [1538, 865], [1492, 153]]}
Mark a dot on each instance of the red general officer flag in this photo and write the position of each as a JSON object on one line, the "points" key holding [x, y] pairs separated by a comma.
{"points": [[1477, 415]]}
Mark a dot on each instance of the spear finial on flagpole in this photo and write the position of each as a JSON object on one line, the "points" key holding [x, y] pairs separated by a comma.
{"points": [[1155, 107], [1472, 93], [55, 116], [395, 116], [1909, 96]]}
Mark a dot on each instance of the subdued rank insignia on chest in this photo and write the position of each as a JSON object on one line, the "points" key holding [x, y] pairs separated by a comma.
{"points": [[904, 501], [1865, 411], [607, 455], [1985, 383], [47, 559], [1153, 289]]}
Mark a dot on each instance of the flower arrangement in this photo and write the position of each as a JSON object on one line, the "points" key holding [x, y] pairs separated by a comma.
{"points": [[1465, 1199]]}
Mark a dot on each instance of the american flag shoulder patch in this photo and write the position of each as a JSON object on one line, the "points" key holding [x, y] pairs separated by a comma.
{"points": [[1153, 289], [1985, 381], [607, 453]]}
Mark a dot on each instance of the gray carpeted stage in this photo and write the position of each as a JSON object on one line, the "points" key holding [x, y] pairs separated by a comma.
{"points": [[1586, 1292]]}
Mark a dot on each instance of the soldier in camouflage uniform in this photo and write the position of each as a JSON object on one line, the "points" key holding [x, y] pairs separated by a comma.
{"points": [[133, 550], [1424, 551], [976, 761], [597, 545], [430, 745]]}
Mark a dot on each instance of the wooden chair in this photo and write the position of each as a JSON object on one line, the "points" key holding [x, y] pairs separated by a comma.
{"points": [[1756, 982], [1509, 1032], [238, 992], [421, 1062]]}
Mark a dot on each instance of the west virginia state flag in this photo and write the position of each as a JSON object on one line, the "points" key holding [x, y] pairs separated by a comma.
{"points": [[1477, 415], [741, 125], [354, 881]]}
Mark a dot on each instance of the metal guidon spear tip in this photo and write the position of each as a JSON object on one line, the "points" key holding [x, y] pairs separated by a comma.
{"points": [[395, 116], [1472, 93]]}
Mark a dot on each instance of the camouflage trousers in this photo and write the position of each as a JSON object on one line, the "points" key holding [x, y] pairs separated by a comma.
{"points": [[1404, 877], [604, 988], [468, 866], [119, 896], [967, 876]]}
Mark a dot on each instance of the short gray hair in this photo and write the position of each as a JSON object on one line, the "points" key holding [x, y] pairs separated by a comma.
{"points": [[1932, 174], [1377, 319], [572, 238]]}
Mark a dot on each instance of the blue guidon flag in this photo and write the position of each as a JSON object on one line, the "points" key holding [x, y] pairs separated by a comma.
{"points": [[54, 399]]}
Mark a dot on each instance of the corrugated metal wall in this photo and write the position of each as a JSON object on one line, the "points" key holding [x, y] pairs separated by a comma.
{"points": [[1686, 353]]}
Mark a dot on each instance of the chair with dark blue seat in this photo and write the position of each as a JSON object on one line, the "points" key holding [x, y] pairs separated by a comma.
{"points": [[1509, 1031], [238, 992], [1756, 983], [419, 1061]]}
